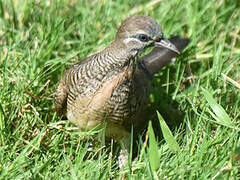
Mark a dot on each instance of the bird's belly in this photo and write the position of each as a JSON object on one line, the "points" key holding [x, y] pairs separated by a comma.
{"points": [[121, 105], [113, 130]]}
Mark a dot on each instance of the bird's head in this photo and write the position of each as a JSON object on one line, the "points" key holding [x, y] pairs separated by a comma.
{"points": [[139, 32]]}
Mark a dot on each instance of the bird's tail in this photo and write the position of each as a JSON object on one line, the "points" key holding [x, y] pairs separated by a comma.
{"points": [[160, 57]]}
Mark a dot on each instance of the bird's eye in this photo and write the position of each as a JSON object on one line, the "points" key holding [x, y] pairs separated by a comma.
{"points": [[142, 37]]}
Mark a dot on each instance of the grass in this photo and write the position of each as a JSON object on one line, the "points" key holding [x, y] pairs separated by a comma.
{"points": [[40, 39]]}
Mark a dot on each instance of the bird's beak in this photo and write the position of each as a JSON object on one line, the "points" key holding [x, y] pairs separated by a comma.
{"points": [[167, 44]]}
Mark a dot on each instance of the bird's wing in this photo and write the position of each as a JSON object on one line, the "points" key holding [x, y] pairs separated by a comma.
{"points": [[103, 94], [61, 98], [61, 93]]}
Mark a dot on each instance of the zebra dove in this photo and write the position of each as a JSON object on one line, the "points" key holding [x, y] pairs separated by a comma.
{"points": [[113, 86]]}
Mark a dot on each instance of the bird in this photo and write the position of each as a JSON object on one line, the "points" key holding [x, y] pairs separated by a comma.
{"points": [[111, 88]]}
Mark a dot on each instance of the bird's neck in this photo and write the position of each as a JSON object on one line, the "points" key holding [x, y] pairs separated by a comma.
{"points": [[112, 60], [116, 55]]}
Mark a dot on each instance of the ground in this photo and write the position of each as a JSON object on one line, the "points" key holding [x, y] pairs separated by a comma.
{"points": [[198, 96]]}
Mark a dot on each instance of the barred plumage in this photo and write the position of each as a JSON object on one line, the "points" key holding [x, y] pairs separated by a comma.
{"points": [[112, 86]]}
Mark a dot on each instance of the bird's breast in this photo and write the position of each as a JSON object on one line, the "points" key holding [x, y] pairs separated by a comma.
{"points": [[115, 99]]}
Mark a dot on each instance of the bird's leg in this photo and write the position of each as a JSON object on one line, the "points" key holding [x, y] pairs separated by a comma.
{"points": [[124, 152]]}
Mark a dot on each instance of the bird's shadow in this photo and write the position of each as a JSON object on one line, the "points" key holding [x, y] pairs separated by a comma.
{"points": [[169, 110], [164, 103]]}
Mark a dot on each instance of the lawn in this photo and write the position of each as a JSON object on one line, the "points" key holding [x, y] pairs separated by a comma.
{"points": [[198, 96]]}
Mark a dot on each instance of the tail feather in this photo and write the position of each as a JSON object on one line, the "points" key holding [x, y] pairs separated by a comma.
{"points": [[160, 57]]}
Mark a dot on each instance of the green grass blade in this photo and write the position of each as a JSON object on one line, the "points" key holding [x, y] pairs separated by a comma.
{"points": [[235, 83], [154, 158], [39, 40], [221, 115], [167, 134]]}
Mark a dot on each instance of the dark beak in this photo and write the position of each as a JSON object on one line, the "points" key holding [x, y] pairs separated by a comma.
{"points": [[167, 44]]}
